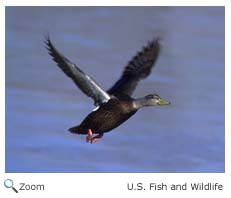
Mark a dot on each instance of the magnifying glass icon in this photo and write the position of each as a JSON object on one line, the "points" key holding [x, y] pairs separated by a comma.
{"points": [[8, 183]]}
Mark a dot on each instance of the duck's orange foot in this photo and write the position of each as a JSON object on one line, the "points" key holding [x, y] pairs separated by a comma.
{"points": [[89, 135], [96, 138]]}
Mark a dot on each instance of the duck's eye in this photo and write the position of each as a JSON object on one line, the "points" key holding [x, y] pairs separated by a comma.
{"points": [[156, 97]]}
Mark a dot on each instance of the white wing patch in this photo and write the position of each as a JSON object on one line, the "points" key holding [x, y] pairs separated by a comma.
{"points": [[95, 108]]}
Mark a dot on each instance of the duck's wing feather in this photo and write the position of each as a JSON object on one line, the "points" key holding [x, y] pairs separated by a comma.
{"points": [[82, 80], [138, 68]]}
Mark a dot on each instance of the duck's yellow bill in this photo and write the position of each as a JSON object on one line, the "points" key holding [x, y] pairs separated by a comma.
{"points": [[163, 102]]}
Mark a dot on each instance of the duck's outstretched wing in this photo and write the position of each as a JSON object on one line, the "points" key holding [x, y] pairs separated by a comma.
{"points": [[138, 68], [82, 80]]}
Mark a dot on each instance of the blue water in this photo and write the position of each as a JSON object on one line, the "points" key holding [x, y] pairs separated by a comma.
{"points": [[42, 103]]}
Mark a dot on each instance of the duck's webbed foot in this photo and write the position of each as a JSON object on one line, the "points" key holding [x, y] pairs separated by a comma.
{"points": [[93, 139], [89, 135], [96, 138]]}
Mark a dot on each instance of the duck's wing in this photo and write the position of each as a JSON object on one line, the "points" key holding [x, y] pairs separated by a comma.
{"points": [[138, 68], [82, 80]]}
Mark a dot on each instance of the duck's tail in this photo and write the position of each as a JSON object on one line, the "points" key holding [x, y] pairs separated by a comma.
{"points": [[77, 130]]}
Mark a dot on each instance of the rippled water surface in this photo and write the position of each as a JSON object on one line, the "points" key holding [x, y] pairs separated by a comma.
{"points": [[42, 103]]}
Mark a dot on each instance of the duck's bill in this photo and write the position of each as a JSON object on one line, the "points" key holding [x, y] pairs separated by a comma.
{"points": [[163, 102]]}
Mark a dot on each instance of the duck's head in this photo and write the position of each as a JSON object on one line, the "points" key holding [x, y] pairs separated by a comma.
{"points": [[154, 99]]}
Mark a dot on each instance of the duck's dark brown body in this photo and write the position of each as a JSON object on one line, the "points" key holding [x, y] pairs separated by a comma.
{"points": [[107, 117], [116, 105]]}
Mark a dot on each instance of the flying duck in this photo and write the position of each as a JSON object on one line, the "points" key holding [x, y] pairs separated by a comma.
{"points": [[116, 105]]}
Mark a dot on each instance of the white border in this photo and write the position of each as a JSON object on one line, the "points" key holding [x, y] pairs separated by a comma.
{"points": [[114, 185], [115, 3], [2, 87], [227, 90]]}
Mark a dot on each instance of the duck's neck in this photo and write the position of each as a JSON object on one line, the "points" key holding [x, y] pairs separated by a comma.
{"points": [[140, 102]]}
